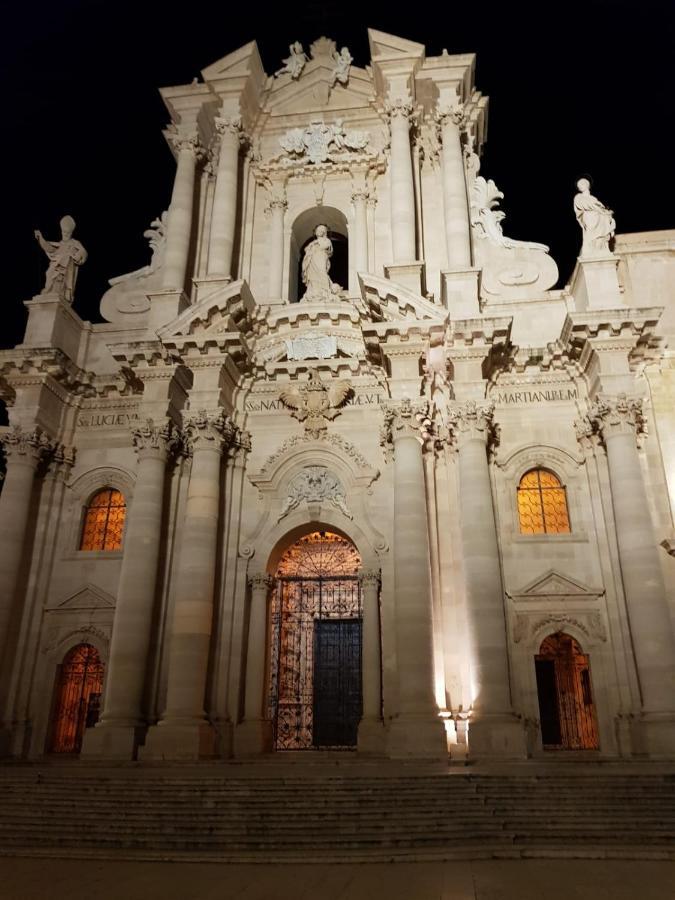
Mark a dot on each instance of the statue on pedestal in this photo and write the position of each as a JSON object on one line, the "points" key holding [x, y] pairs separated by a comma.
{"points": [[65, 256], [293, 64], [596, 221], [316, 265]]}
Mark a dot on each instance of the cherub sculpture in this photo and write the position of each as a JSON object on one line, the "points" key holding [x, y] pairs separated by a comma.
{"points": [[294, 63], [315, 403], [343, 61]]}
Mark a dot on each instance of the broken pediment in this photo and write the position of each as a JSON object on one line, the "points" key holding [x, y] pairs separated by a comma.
{"points": [[88, 597], [389, 46], [224, 307], [389, 301], [555, 586]]}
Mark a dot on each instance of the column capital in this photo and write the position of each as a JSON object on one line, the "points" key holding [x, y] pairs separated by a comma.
{"points": [[404, 419], [451, 114], [62, 462], [260, 581], [472, 421], [229, 125], [26, 445], [188, 143], [611, 416], [209, 431], [400, 108], [152, 440], [369, 578]]}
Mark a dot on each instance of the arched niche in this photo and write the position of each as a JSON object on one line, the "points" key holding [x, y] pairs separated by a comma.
{"points": [[302, 232]]}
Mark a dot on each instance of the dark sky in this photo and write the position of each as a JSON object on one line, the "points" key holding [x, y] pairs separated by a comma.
{"points": [[574, 88]]}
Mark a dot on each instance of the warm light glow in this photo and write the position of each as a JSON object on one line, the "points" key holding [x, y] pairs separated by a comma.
{"points": [[104, 521], [542, 504], [78, 697]]}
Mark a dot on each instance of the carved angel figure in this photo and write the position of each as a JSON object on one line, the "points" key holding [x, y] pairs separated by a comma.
{"points": [[343, 61], [65, 257], [596, 221], [314, 403], [295, 63]]}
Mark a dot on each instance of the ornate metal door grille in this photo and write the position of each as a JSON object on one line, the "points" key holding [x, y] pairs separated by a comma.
{"points": [[316, 614], [78, 698], [566, 708]]}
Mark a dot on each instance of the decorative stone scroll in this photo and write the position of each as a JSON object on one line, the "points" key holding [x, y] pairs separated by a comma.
{"points": [[319, 142], [315, 485], [315, 403]]}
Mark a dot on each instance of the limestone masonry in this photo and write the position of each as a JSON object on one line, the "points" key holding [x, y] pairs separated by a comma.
{"points": [[342, 469]]}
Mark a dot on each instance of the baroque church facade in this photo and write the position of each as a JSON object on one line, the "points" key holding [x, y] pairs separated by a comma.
{"points": [[342, 469]]}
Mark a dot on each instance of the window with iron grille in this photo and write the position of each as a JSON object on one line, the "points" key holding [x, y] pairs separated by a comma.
{"points": [[104, 517], [542, 504]]}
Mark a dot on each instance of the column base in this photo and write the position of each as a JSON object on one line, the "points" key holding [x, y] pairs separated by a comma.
{"points": [[411, 275], [417, 737], [595, 283], [177, 741], [253, 738], [165, 305], [657, 735], [371, 738], [460, 293], [110, 741], [497, 737]]}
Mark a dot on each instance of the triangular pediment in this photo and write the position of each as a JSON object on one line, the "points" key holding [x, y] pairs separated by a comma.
{"points": [[555, 585], [87, 597], [315, 92], [237, 64], [389, 46], [224, 307], [389, 301]]}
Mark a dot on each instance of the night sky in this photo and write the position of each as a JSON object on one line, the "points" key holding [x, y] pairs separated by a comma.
{"points": [[575, 88]]}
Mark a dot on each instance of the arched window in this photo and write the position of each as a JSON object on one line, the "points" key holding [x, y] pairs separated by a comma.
{"points": [[542, 504], [104, 521], [79, 684]]}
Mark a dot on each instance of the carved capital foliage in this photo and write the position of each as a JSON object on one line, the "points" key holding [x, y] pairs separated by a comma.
{"points": [[369, 579], [611, 416], [26, 446], [209, 431], [455, 114], [400, 108], [406, 419], [155, 440], [188, 143], [260, 581], [473, 421], [62, 462]]}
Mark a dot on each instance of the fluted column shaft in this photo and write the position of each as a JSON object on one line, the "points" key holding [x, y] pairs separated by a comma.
{"points": [[134, 610], [455, 201], [224, 216], [179, 223], [472, 426], [257, 645], [618, 420], [402, 186], [193, 611], [371, 663], [277, 210]]}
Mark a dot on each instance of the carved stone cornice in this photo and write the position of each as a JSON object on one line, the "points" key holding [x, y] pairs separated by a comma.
{"points": [[260, 581], [27, 446], [612, 416], [472, 421], [404, 419], [158, 441], [208, 431]]}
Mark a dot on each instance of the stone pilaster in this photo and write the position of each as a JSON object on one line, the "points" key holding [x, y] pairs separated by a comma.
{"points": [[360, 196], [416, 731], [184, 731], [371, 728], [276, 210], [619, 420], [179, 224], [224, 215], [116, 735], [455, 203], [401, 181], [494, 730], [254, 735]]}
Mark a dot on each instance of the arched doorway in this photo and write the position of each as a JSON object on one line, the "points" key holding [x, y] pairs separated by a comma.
{"points": [[77, 701], [566, 708], [315, 660]]}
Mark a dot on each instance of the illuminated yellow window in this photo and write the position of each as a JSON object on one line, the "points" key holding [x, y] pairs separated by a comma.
{"points": [[542, 504], [104, 521]]}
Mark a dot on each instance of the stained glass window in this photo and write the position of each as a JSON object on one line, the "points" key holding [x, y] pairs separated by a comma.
{"points": [[104, 521], [542, 504]]}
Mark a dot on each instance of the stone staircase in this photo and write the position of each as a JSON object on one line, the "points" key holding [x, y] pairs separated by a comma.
{"points": [[243, 814]]}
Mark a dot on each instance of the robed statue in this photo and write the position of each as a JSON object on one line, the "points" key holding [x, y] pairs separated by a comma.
{"points": [[316, 266], [65, 257], [596, 221]]}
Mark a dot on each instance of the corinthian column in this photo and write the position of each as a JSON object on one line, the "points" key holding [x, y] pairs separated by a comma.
{"points": [[618, 421], [276, 210], [402, 185], [455, 203], [360, 241], [184, 732], [179, 223], [115, 736], [224, 216], [254, 734], [371, 730], [493, 730], [417, 730]]}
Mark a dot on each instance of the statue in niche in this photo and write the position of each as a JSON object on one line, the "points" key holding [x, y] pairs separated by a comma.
{"points": [[316, 265], [596, 221], [343, 61], [65, 257], [294, 63]]}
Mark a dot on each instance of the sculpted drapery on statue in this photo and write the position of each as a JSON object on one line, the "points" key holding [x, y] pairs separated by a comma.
{"points": [[596, 221], [65, 256], [294, 63], [316, 265]]}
